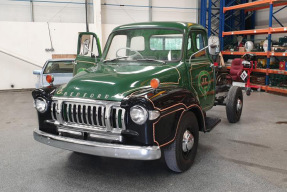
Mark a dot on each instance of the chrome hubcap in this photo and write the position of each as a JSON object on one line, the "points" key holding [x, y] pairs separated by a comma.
{"points": [[187, 141], [239, 105]]}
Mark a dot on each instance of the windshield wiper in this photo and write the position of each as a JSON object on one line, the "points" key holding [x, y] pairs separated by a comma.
{"points": [[159, 61], [117, 58]]}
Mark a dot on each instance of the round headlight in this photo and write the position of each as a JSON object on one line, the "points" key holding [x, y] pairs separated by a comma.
{"points": [[41, 105], [138, 114]]}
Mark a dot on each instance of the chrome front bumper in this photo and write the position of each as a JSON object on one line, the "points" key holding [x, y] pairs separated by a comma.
{"points": [[99, 149]]}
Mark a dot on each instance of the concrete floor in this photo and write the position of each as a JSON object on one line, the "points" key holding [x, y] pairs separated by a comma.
{"points": [[248, 156]]}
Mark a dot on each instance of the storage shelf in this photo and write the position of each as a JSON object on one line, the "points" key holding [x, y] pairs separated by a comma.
{"points": [[277, 54], [246, 32], [256, 31], [253, 6], [272, 89], [243, 53], [268, 71], [276, 89], [256, 5]]}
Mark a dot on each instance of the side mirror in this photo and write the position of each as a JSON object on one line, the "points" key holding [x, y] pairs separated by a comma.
{"points": [[86, 47], [37, 72], [213, 45]]}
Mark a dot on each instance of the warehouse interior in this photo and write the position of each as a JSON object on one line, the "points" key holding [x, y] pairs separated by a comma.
{"points": [[120, 122]]}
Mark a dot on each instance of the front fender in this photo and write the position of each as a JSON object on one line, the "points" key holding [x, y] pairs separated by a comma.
{"points": [[172, 102]]}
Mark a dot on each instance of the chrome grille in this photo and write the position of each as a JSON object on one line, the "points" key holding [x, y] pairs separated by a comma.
{"points": [[89, 114]]}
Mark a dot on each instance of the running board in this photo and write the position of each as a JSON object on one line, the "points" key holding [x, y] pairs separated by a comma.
{"points": [[211, 122]]}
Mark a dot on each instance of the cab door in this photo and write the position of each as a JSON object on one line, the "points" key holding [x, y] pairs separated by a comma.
{"points": [[88, 51], [200, 70]]}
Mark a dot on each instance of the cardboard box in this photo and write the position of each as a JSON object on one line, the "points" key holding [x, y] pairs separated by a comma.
{"points": [[241, 49]]}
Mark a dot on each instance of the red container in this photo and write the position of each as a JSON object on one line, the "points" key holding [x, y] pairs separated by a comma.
{"points": [[282, 65]]}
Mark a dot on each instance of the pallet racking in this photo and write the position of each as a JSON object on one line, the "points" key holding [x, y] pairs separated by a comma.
{"points": [[251, 7]]}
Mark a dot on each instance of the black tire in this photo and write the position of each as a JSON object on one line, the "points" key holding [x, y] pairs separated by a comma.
{"points": [[233, 111], [248, 91], [176, 159]]}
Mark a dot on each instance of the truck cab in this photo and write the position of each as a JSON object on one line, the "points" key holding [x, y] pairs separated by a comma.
{"points": [[145, 96]]}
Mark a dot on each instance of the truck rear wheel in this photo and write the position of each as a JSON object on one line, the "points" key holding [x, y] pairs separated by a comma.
{"points": [[180, 154], [234, 104]]}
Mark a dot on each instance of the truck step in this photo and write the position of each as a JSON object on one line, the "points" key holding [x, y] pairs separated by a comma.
{"points": [[211, 122]]}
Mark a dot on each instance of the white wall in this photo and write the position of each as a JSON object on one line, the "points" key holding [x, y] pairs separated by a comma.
{"points": [[28, 40]]}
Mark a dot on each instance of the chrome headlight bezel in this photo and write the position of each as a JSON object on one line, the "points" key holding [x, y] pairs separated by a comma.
{"points": [[41, 105], [137, 110]]}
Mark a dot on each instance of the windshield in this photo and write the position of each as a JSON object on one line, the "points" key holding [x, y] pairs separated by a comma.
{"points": [[59, 67], [162, 45]]}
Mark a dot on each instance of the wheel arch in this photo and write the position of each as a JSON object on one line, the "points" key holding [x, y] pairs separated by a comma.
{"points": [[200, 118]]}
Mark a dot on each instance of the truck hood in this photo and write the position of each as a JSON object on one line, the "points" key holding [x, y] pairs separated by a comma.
{"points": [[113, 82]]}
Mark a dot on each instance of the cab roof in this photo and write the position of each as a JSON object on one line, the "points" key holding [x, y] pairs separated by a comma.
{"points": [[167, 24]]}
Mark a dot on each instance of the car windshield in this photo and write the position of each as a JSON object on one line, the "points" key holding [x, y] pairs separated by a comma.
{"points": [[150, 45], [59, 67]]}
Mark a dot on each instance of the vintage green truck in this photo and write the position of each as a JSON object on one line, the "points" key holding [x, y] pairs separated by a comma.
{"points": [[146, 95]]}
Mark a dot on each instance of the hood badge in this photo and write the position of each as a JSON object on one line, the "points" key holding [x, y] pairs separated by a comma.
{"points": [[85, 95]]}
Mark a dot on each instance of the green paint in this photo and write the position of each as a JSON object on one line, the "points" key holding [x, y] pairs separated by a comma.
{"points": [[114, 80]]}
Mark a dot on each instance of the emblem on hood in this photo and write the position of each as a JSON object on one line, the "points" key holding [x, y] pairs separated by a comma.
{"points": [[85, 95]]}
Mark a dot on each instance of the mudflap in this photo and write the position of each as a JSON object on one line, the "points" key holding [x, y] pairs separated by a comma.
{"points": [[211, 122]]}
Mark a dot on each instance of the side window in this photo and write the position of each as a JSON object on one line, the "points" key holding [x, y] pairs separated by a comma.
{"points": [[197, 41], [89, 46]]}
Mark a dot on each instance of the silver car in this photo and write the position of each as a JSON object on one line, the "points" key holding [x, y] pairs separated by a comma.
{"points": [[61, 69]]}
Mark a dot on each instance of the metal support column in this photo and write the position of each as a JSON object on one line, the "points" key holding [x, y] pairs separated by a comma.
{"points": [[98, 18], [32, 10], [221, 25], [269, 40], [209, 17], [150, 10]]}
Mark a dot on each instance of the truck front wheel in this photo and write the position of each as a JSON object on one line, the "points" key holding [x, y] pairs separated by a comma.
{"points": [[180, 154], [234, 104]]}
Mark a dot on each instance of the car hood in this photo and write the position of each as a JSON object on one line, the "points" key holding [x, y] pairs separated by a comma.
{"points": [[114, 82]]}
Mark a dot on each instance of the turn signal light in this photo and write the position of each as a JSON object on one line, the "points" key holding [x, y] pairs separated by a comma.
{"points": [[154, 83], [50, 79]]}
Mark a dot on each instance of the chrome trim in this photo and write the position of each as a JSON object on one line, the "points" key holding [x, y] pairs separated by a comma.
{"points": [[70, 132], [99, 149], [97, 115], [92, 115], [82, 114], [72, 112], [59, 110], [145, 112], [107, 116], [87, 116], [109, 137], [85, 128], [117, 117], [104, 115], [52, 110], [81, 100], [46, 104], [123, 120]]}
